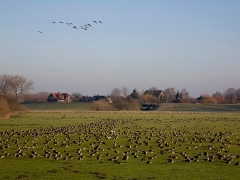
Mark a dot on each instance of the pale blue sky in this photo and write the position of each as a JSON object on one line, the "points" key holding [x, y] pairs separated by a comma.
{"points": [[192, 44]]}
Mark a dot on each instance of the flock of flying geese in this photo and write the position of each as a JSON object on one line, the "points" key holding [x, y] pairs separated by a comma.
{"points": [[84, 27]]}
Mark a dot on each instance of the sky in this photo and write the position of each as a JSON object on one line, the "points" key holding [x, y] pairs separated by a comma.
{"points": [[140, 44]]}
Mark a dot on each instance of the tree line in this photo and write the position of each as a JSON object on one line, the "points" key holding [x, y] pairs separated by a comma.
{"points": [[16, 88], [229, 96], [124, 100]]}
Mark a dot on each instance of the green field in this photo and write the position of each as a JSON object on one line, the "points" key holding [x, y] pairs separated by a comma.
{"points": [[120, 145], [186, 107], [59, 106]]}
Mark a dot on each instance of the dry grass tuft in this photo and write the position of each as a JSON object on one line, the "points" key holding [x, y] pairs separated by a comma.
{"points": [[100, 106], [4, 109]]}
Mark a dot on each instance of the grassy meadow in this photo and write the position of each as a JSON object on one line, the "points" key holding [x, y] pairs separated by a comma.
{"points": [[45, 106], [171, 107], [188, 107], [120, 145]]}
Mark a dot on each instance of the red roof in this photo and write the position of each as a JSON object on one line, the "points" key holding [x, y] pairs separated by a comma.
{"points": [[60, 96]]}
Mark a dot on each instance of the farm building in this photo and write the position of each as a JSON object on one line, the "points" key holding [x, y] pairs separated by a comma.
{"points": [[59, 97], [157, 93], [95, 98]]}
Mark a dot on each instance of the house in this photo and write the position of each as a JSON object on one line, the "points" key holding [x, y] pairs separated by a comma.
{"points": [[157, 93], [87, 99], [59, 97], [103, 98], [96, 98]]}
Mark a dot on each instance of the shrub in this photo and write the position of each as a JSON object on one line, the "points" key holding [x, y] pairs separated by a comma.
{"points": [[133, 104], [120, 103], [100, 105], [209, 100], [126, 104], [4, 109], [220, 100], [148, 98], [13, 103]]}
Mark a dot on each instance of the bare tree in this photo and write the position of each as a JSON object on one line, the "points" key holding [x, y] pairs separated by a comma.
{"points": [[169, 94], [15, 84], [116, 93], [120, 103], [5, 87], [233, 99], [184, 94], [230, 95], [217, 94], [76, 97], [125, 91], [21, 85], [229, 92], [238, 94], [219, 97]]}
